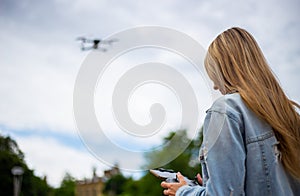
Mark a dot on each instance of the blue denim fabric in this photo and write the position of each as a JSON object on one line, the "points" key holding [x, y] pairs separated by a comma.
{"points": [[239, 154]]}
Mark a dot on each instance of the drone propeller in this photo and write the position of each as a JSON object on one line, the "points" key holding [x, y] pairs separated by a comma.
{"points": [[110, 41], [88, 44]]}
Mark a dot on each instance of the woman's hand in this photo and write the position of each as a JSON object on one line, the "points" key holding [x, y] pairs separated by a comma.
{"points": [[199, 179], [171, 188]]}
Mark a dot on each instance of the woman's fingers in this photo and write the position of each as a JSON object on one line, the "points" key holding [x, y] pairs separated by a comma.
{"points": [[199, 179], [180, 177], [164, 184], [171, 188]]}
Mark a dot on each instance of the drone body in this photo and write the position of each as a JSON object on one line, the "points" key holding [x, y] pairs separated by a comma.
{"points": [[94, 44]]}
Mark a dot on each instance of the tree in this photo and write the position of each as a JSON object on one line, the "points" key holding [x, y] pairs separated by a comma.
{"points": [[147, 185], [115, 185], [10, 156], [187, 163], [67, 186]]}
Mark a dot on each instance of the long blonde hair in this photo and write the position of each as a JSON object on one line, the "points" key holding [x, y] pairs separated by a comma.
{"points": [[235, 62]]}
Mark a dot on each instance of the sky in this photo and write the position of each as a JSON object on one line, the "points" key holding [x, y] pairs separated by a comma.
{"points": [[40, 60]]}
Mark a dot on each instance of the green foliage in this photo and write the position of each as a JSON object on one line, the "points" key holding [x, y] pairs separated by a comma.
{"points": [[115, 185], [147, 185], [187, 163], [10, 156], [130, 187], [67, 187], [10, 147]]}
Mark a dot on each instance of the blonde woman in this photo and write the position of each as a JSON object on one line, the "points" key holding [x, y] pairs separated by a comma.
{"points": [[251, 134]]}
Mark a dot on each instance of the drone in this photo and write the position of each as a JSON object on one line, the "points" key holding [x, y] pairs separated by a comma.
{"points": [[94, 44]]}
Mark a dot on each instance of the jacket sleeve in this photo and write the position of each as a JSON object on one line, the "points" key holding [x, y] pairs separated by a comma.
{"points": [[224, 157]]}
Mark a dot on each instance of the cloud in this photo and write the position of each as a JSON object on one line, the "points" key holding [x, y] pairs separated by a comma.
{"points": [[36, 87], [49, 157], [40, 60]]}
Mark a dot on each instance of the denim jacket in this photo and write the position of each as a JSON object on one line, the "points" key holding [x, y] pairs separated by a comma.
{"points": [[239, 154]]}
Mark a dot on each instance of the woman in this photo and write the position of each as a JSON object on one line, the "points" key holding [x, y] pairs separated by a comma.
{"points": [[251, 134]]}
